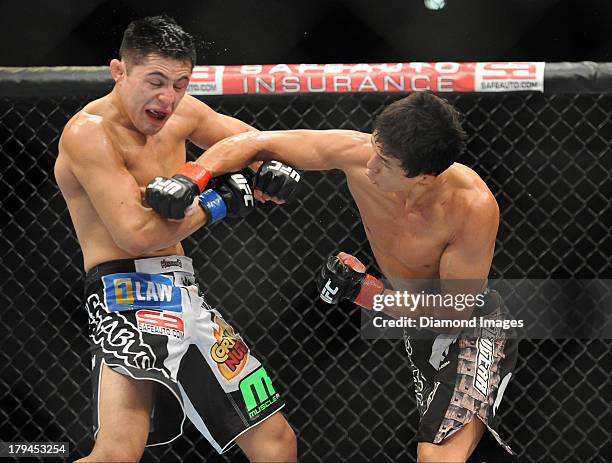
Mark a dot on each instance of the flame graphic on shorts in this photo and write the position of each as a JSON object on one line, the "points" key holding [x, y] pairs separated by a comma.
{"points": [[229, 352]]}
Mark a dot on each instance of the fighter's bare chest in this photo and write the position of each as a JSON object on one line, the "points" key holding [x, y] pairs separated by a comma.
{"points": [[405, 243], [154, 158], [410, 240]]}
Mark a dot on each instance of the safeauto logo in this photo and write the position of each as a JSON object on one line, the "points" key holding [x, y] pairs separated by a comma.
{"points": [[165, 324]]}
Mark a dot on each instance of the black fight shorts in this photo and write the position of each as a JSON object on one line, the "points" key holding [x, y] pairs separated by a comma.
{"points": [[461, 377], [148, 320]]}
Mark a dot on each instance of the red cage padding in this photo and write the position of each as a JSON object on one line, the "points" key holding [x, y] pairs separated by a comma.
{"points": [[362, 77]]}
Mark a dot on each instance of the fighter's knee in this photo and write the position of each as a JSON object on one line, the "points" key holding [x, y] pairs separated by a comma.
{"points": [[272, 440], [112, 455], [281, 442], [286, 437], [124, 454], [115, 448]]}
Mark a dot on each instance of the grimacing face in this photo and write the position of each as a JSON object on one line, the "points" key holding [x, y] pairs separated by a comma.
{"points": [[151, 90]]}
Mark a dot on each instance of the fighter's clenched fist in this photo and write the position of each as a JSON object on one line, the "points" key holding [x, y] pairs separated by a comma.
{"points": [[231, 196], [276, 181], [343, 277], [170, 196]]}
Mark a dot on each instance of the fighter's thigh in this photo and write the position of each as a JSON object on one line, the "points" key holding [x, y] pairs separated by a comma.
{"points": [[271, 440], [124, 403], [456, 448]]}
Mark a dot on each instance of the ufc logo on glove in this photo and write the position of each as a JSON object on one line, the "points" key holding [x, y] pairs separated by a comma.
{"points": [[244, 186], [167, 185], [276, 165], [328, 292]]}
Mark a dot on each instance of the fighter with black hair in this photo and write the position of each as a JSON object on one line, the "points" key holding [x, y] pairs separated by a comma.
{"points": [[160, 353], [431, 223]]}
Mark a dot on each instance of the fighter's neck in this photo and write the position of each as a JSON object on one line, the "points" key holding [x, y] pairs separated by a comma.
{"points": [[414, 195], [119, 115]]}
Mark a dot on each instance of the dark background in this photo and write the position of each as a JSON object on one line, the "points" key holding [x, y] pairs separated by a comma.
{"points": [[546, 157], [78, 32]]}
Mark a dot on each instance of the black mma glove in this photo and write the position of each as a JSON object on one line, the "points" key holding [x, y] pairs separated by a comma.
{"points": [[231, 196], [278, 180], [343, 277], [170, 196]]}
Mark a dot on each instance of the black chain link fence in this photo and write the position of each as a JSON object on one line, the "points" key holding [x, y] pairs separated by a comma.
{"points": [[547, 158]]}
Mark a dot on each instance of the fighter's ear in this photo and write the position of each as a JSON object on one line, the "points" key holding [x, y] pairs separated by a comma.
{"points": [[117, 69]]}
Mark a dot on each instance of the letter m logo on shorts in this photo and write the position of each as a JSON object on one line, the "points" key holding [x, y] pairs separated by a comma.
{"points": [[257, 392]]}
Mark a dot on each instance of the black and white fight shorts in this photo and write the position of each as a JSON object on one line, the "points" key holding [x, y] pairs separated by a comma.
{"points": [[148, 320], [461, 377]]}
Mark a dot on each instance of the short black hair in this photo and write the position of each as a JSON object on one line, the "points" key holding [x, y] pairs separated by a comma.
{"points": [[422, 131], [159, 35]]}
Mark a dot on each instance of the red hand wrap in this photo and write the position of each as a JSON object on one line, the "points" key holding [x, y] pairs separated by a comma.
{"points": [[195, 172], [370, 287]]}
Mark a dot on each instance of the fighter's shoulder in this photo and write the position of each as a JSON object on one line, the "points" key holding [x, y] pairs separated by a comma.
{"points": [[351, 137], [191, 107], [87, 134], [470, 197], [191, 113], [83, 130]]}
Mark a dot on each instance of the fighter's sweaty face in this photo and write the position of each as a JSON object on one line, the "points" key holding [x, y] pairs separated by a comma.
{"points": [[151, 91]]}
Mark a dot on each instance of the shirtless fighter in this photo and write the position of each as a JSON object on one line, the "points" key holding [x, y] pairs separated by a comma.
{"points": [[427, 218], [160, 353]]}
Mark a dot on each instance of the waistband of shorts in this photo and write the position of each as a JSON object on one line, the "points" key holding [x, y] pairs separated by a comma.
{"points": [[151, 265]]}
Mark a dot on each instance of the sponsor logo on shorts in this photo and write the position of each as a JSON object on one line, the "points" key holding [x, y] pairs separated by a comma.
{"points": [[229, 352], [117, 336], [166, 263], [130, 291], [153, 322], [257, 392], [419, 379], [328, 292], [440, 349], [484, 360]]}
